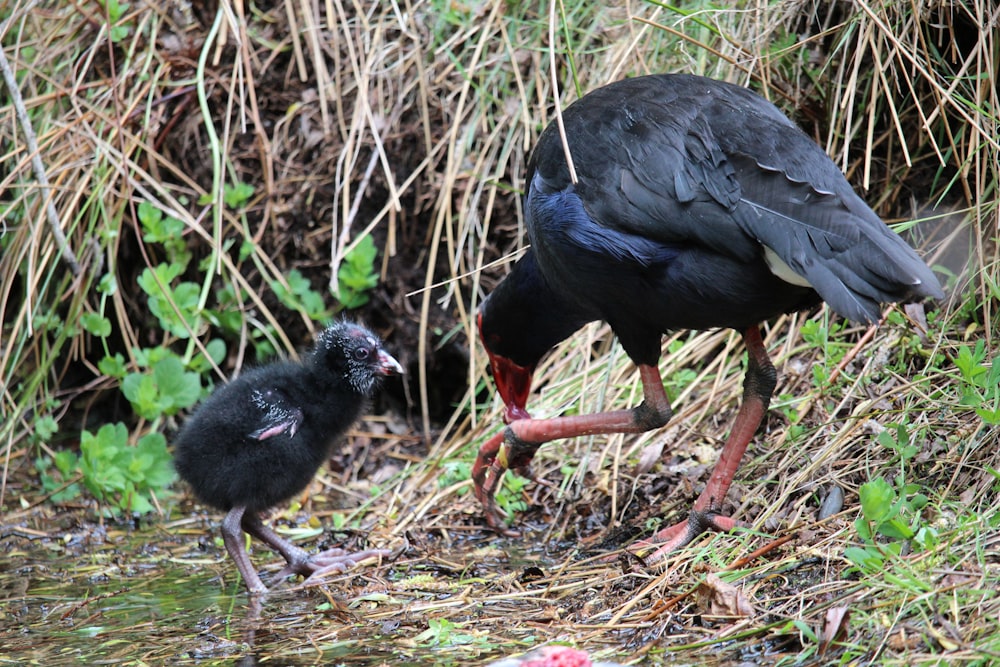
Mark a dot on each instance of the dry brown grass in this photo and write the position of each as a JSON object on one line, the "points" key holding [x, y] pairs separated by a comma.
{"points": [[412, 120]]}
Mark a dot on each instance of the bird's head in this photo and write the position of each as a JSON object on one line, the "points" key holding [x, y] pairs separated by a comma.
{"points": [[356, 354]]}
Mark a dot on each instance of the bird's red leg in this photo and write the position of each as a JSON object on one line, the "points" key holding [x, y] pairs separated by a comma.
{"points": [[517, 444], [653, 412], [758, 386]]}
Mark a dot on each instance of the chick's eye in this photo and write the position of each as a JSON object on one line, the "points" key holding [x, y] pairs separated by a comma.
{"points": [[361, 354]]}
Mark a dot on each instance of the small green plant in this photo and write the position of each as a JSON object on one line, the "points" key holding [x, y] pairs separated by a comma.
{"points": [[509, 496], [177, 306], [788, 405], [820, 334], [165, 230], [879, 509], [96, 324], [454, 472], [237, 196], [124, 478], [677, 381], [59, 483], [45, 428], [357, 274], [442, 632], [980, 384], [115, 10], [891, 513], [164, 388], [300, 296], [228, 315]]}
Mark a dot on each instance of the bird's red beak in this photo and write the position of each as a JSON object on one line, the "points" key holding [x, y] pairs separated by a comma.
{"points": [[512, 381]]}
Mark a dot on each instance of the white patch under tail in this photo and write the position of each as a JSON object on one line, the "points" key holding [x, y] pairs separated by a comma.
{"points": [[782, 270]]}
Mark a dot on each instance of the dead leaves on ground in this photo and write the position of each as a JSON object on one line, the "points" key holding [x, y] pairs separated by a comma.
{"points": [[719, 598]]}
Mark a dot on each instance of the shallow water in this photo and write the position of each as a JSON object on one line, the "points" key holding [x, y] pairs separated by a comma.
{"points": [[157, 596], [169, 594]]}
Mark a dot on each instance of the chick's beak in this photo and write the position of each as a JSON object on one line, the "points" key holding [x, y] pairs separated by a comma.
{"points": [[387, 364]]}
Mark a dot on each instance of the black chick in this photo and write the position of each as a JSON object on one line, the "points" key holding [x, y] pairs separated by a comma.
{"points": [[691, 204], [260, 439]]}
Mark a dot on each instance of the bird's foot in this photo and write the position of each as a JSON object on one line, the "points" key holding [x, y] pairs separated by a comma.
{"points": [[484, 481], [681, 534], [487, 471], [314, 567], [501, 452], [495, 519]]}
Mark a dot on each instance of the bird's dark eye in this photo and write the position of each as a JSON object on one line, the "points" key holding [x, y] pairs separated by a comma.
{"points": [[361, 353]]}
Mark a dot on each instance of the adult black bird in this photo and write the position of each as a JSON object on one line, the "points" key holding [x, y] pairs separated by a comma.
{"points": [[260, 439], [696, 204]]}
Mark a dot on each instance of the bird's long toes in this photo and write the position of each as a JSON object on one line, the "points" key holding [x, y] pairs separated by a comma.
{"points": [[346, 559], [494, 519], [712, 521], [334, 555], [338, 561], [330, 561], [681, 534]]}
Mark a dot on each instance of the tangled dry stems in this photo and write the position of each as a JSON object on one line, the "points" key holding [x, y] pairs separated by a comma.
{"points": [[412, 120]]}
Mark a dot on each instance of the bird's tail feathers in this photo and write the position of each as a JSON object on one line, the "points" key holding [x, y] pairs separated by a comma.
{"points": [[879, 267]]}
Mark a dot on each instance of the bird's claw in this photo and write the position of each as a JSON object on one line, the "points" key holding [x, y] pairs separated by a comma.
{"points": [[681, 534], [484, 483], [487, 471], [498, 454]]}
